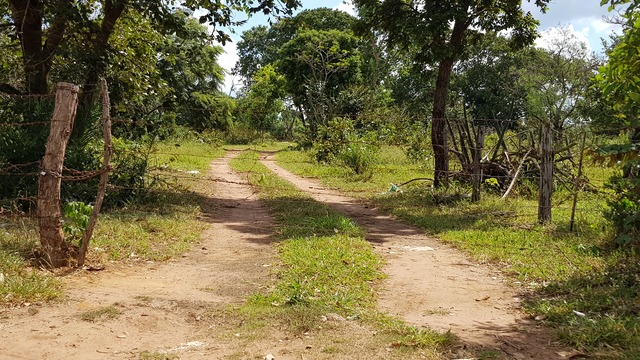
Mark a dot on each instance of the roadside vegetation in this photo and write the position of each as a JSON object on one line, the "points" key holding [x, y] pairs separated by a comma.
{"points": [[326, 269]]}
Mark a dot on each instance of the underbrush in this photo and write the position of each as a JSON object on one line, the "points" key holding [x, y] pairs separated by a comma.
{"points": [[327, 267], [578, 283], [160, 222]]}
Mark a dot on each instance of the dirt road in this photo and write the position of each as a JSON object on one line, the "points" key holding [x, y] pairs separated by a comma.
{"points": [[166, 308]]}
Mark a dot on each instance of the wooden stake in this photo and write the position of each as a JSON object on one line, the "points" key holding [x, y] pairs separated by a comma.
{"points": [[546, 174], [577, 183], [104, 177]]}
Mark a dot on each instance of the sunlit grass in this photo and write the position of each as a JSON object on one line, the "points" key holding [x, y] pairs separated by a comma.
{"points": [[19, 281]]}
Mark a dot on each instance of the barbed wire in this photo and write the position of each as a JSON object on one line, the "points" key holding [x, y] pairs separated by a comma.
{"points": [[27, 96]]}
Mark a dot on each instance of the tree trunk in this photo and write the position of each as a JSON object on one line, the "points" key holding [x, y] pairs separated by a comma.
{"points": [[439, 124], [104, 177], [27, 17], [51, 236], [546, 174], [37, 53], [441, 93]]}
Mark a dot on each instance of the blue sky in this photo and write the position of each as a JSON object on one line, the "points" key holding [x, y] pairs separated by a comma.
{"points": [[585, 18]]}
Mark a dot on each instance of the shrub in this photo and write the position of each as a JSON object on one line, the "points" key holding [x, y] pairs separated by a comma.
{"points": [[359, 156], [624, 209]]}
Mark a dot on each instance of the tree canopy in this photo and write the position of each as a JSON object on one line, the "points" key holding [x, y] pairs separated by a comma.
{"points": [[439, 33]]}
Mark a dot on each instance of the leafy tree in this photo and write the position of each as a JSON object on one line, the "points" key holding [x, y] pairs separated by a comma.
{"points": [[440, 32], [319, 66], [558, 79], [264, 102], [260, 45], [493, 98], [43, 26]]}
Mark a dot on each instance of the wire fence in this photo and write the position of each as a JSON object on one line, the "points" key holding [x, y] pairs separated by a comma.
{"points": [[508, 150]]}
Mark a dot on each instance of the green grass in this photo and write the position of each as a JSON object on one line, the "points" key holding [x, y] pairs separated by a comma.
{"points": [[166, 222], [185, 155], [565, 270], [327, 266], [19, 281]]}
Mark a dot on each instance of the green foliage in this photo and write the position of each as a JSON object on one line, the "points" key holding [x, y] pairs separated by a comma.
{"points": [[260, 45], [359, 156], [624, 209], [621, 89], [22, 145], [75, 219], [262, 106], [489, 80], [319, 66]]}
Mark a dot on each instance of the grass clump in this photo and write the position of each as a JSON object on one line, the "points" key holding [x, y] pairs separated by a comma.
{"points": [[149, 355], [105, 313], [19, 282], [327, 267]]}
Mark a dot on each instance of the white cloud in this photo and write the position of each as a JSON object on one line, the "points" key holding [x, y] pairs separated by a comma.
{"points": [[550, 36], [587, 16], [347, 6], [228, 60]]}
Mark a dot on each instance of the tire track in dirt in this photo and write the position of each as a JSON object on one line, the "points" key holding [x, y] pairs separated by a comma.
{"points": [[162, 305], [434, 285]]}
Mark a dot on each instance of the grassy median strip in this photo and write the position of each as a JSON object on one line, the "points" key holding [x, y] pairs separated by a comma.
{"points": [[327, 266]]}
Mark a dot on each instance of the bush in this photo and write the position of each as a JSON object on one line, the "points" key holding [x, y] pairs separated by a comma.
{"points": [[359, 156], [624, 209]]}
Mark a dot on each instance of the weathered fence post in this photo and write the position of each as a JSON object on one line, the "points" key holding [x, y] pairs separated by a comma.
{"points": [[104, 177], [49, 213], [546, 174], [476, 177], [577, 184]]}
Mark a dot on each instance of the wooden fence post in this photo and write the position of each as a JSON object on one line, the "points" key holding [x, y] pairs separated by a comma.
{"points": [[476, 177], [546, 174], [49, 213], [104, 177]]}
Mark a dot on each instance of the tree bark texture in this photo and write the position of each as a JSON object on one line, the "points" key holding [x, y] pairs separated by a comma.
{"points": [[546, 174], [49, 214]]}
